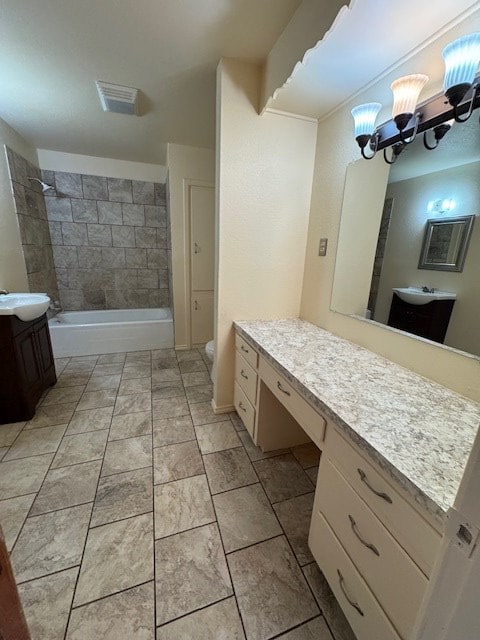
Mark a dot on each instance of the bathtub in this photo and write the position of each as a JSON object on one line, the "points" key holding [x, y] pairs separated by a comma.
{"points": [[84, 333]]}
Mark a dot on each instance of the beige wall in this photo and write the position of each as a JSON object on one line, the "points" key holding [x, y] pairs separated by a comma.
{"points": [[93, 166], [185, 164], [264, 180], [13, 275], [336, 148], [404, 243]]}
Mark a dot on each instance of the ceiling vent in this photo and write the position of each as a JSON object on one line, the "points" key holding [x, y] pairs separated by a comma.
{"points": [[117, 99]]}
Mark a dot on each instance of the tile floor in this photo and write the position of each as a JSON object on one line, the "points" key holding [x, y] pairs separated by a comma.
{"points": [[132, 511]]}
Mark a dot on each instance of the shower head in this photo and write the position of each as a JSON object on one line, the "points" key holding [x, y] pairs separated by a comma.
{"points": [[44, 185]]}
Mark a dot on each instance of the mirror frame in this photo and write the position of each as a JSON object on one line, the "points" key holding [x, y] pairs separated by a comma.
{"points": [[466, 231]]}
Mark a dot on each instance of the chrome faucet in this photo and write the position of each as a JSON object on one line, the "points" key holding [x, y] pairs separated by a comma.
{"points": [[4, 292], [427, 290]]}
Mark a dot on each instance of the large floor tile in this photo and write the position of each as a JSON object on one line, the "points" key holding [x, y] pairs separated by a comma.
{"points": [[271, 591], [229, 469], [112, 358], [137, 370], [111, 369], [295, 515], [67, 487], [135, 385], [83, 447], [190, 366], [3, 452], [12, 516], [138, 356], [58, 395], [182, 505], [8, 433], [315, 629], [46, 604], [217, 436], [282, 477], [127, 455], [51, 414], [128, 615], [176, 461], [165, 375], [36, 442], [133, 403], [19, 477], [195, 378], [72, 380], [328, 603], [98, 383], [245, 517], [236, 421], [131, 425], [123, 495], [97, 399], [191, 572], [312, 473], [190, 354], [202, 413], [219, 621], [89, 420], [172, 430], [160, 391], [199, 393], [117, 556], [50, 542], [170, 408]]}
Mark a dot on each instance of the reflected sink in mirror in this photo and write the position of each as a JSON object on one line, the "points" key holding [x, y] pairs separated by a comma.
{"points": [[26, 306], [416, 295]]}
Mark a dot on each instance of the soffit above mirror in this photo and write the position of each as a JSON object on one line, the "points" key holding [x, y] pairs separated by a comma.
{"points": [[368, 39]]}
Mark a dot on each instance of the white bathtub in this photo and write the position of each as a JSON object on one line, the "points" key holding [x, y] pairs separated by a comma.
{"points": [[84, 333]]}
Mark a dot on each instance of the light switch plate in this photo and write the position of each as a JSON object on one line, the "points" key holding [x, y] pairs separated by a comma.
{"points": [[322, 247]]}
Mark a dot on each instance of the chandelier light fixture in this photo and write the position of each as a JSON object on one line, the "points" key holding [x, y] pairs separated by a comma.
{"points": [[461, 96]]}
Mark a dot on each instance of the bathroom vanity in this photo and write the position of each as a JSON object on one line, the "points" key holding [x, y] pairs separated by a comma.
{"points": [[27, 366], [394, 446]]}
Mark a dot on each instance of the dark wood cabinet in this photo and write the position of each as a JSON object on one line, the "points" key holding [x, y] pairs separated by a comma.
{"points": [[426, 320], [27, 366]]}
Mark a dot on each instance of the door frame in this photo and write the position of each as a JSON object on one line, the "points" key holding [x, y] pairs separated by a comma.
{"points": [[187, 190]]}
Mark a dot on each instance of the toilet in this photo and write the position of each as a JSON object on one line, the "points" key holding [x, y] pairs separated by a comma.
{"points": [[210, 351]]}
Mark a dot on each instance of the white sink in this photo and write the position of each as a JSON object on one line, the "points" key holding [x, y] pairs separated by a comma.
{"points": [[415, 295], [26, 306]]}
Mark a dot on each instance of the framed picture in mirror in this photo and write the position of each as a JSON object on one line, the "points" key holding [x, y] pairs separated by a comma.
{"points": [[445, 243]]}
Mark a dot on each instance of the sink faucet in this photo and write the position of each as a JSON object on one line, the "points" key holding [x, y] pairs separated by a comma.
{"points": [[3, 292], [427, 290]]}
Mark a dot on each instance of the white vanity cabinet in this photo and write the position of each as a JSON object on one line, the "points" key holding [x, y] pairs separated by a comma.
{"points": [[384, 544], [375, 544]]}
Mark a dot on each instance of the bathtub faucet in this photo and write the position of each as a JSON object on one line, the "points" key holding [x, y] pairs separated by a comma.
{"points": [[4, 292]]}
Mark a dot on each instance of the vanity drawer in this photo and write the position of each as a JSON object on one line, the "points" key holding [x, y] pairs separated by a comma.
{"points": [[244, 408], [307, 417], [374, 552], [419, 539], [246, 377], [246, 351], [368, 621]]}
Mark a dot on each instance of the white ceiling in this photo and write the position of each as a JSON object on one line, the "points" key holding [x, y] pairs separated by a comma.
{"points": [[367, 39], [52, 51]]}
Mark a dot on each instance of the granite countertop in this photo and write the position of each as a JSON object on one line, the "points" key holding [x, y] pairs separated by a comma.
{"points": [[419, 432]]}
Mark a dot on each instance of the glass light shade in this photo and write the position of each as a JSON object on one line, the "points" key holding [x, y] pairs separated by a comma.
{"points": [[461, 57], [405, 93], [365, 116]]}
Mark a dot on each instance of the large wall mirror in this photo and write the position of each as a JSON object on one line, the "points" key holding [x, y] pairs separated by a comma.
{"points": [[409, 246]]}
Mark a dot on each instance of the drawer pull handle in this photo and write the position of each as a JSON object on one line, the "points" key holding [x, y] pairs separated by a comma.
{"points": [[380, 494], [351, 602], [243, 348], [243, 374], [279, 385], [355, 530], [241, 406]]}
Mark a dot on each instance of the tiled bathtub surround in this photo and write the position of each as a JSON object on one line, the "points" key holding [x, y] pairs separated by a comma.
{"points": [[133, 511], [109, 241], [32, 220]]}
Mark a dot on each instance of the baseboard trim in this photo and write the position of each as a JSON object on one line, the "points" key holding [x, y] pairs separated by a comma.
{"points": [[226, 408]]}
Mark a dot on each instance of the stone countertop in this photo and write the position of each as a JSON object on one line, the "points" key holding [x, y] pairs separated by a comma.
{"points": [[419, 432]]}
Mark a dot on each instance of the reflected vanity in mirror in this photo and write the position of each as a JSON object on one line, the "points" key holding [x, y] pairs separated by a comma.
{"points": [[412, 230], [445, 244]]}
